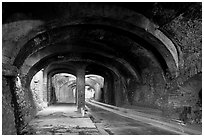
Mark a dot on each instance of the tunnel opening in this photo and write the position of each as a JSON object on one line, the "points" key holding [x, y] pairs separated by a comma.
{"points": [[63, 93], [94, 87], [61, 88], [89, 92], [109, 90]]}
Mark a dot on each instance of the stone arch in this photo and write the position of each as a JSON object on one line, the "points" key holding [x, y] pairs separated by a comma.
{"points": [[134, 23]]}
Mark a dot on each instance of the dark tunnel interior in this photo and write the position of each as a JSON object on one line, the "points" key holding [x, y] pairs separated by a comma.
{"points": [[94, 63]]}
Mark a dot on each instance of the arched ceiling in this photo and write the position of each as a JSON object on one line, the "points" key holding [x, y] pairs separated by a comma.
{"points": [[108, 34], [101, 37]]}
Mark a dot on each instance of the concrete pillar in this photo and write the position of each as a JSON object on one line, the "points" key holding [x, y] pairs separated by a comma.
{"points": [[49, 80], [80, 85], [97, 88], [118, 92], [52, 92], [105, 89], [109, 90], [44, 86]]}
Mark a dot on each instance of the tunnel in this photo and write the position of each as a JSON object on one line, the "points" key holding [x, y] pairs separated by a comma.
{"points": [[77, 67]]}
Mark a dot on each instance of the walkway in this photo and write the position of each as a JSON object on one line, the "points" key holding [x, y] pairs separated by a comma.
{"points": [[62, 119], [100, 118]]}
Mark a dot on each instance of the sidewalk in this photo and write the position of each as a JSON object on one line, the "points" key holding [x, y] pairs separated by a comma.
{"points": [[62, 120]]}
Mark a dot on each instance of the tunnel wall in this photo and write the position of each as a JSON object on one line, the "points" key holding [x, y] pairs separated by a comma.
{"points": [[158, 88], [25, 102], [151, 92], [188, 95], [8, 116], [37, 89], [18, 107], [22, 108], [186, 32]]}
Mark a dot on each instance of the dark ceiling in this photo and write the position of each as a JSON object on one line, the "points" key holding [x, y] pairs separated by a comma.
{"points": [[160, 13]]}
